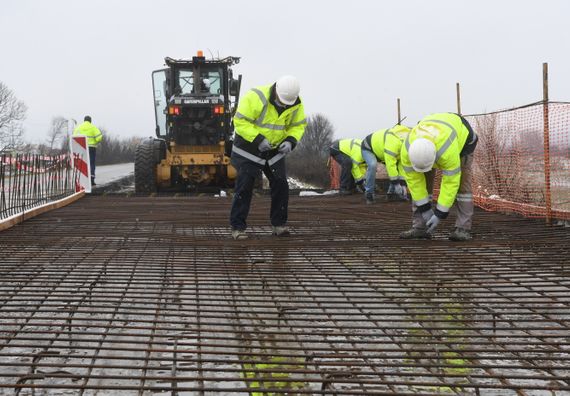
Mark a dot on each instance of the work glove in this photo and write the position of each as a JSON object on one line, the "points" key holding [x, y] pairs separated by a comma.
{"points": [[360, 186], [432, 224], [264, 145], [401, 192], [398, 190], [427, 215], [391, 193], [285, 148]]}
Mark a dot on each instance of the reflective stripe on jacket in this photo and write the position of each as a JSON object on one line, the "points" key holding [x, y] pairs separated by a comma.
{"points": [[90, 131], [449, 140], [257, 118], [386, 145], [352, 148]]}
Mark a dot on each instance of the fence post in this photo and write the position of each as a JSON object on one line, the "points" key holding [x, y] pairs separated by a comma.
{"points": [[546, 143], [399, 114], [458, 93]]}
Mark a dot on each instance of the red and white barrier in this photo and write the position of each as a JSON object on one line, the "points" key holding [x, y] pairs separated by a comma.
{"points": [[80, 153]]}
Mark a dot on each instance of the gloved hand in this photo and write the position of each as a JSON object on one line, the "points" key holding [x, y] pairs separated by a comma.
{"points": [[391, 194], [401, 192], [285, 147], [398, 190], [405, 193], [432, 224], [427, 215], [264, 145], [360, 186]]}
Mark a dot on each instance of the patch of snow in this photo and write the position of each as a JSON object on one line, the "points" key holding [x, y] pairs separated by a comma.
{"points": [[313, 193], [296, 184]]}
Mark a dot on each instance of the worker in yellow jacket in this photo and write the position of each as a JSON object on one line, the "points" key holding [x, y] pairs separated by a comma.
{"points": [[385, 146], [94, 137], [269, 122], [443, 141], [348, 154]]}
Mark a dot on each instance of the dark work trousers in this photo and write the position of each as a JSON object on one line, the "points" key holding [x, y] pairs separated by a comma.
{"points": [[92, 155], [345, 162], [247, 172]]}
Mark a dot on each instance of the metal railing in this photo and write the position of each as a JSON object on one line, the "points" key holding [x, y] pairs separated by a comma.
{"points": [[30, 180]]}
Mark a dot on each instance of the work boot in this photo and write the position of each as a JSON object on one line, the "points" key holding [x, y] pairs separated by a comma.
{"points": [[280, 231], [93, 181], [460, 234], [342, 191], [369, 198], [415, 233], [239, 235]]}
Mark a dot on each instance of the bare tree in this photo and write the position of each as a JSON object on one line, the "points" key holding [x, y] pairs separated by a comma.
{"points": [[318, 136], [308, 162], [12, 112], [57, 133]]}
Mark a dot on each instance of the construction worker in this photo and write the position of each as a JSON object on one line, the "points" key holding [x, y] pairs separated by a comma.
{"points": [[443, 141], [385, 146], [94, 136], [269, 122], [348, 154]]}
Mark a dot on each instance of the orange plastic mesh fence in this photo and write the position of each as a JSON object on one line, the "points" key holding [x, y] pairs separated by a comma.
{"points": [[334, 171], [512, 168]]}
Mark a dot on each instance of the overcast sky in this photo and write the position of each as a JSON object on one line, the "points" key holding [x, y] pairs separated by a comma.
{"points": [[353, 58]]}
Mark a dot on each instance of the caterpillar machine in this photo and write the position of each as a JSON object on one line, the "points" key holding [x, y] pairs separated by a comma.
{"points": [[194, 102]]}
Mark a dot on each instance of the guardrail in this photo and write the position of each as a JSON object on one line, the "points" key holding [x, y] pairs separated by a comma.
{"points": [[28, 181]]}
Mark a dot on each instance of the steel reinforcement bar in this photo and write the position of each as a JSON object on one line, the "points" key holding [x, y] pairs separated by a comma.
{"points": [[142, 296]]}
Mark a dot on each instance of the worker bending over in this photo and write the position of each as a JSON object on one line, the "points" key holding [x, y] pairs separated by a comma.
{"points": [[269, 122], [443, 141], [385, 146], [348, 154]]}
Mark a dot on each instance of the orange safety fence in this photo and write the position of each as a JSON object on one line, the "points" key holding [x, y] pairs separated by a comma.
{"points": [[334, 171], [514, 170]]}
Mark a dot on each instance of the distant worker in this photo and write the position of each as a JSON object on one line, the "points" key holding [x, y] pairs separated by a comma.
{"points": [[444, 141], [385, 146], [348, 154], [269, 122], [94, 136]]}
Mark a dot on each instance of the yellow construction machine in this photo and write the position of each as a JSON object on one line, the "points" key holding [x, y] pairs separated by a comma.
{"points": [[194, 103]]}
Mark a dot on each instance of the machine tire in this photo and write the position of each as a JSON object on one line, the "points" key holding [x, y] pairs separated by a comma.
{"points": [[145, 168]]}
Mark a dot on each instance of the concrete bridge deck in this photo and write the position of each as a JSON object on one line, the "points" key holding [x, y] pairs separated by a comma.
{"points": [[149, 295]]}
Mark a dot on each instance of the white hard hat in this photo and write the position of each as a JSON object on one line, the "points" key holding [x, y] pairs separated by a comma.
{"points": [[287, 89], [422, 154], [206, 82]]}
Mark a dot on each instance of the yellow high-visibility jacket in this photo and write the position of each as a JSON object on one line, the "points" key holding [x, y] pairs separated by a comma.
{"points": [[257, 118], [90, 131], [386, 145], [352, 148], [449, 141]]}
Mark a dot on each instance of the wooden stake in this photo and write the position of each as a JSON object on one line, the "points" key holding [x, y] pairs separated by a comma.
{"points": [[548, 196]]}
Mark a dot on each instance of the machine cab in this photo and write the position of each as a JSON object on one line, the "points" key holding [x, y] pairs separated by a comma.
{"points": [[195, 100]]}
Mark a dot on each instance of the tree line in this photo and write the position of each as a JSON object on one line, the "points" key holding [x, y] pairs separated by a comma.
{"points": [[13, 111], [308, 162]]}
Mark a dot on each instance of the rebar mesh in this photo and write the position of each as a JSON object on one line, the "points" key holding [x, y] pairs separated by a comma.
{"points": [[144, 296]]}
